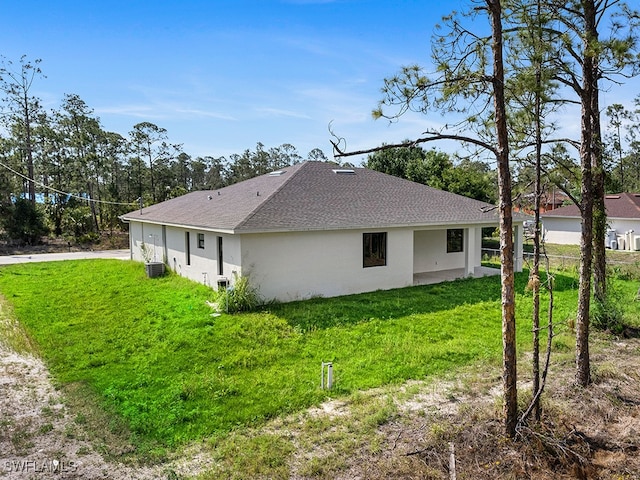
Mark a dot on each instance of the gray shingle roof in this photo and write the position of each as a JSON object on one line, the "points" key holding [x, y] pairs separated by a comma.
{"points": [[619, 205], [311, 196]]}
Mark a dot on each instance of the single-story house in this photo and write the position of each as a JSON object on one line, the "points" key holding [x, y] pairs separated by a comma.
{"points": [[549, 200], [563, 225], [316, 229]]}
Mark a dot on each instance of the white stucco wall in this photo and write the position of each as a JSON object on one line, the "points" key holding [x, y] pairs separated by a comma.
{"points": [[563, 231], [473, 248], [622, 225], [149, 235], [170, 245], [430, 252], [300, 265], [566, 231], [203, 265]]}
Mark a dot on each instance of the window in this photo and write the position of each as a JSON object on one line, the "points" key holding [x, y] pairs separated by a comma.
{"points": [[187, 249], [201, 240], [374, 249], [220, 264], [455, 240]]}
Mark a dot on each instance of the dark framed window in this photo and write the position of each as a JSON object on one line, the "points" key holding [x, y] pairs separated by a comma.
{"points": [[201, 240], [455, 240], [187, 248], [220, 264], [374, 249]]}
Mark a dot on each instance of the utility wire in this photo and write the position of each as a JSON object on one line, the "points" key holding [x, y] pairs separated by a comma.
{"points": [[65, 193]]}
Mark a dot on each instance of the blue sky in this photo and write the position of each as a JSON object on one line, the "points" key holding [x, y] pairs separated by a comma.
{"points": [[222, 75]]}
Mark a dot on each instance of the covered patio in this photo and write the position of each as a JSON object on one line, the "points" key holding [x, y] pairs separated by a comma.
{"points": [[427, 278]]}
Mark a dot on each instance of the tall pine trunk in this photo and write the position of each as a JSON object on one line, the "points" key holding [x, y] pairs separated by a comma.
{"points": [[589, 89], [28, 149], [509, 371], [599, 213], [535, 273]]}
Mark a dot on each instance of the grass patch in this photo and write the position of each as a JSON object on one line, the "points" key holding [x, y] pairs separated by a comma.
{"points": [[167, 372], [14, 335], [250, 455]]}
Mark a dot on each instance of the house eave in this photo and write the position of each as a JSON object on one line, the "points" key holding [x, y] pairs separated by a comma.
{"points": [[320, 228], [542, 217], [181, 225], [432, 225], [624, 218]]}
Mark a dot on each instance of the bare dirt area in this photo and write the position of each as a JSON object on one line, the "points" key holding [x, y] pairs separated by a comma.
{"points": [[43, 435], [589, 433], [40, 437]]}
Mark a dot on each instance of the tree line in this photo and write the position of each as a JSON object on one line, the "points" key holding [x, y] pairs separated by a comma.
{"points": [[61, 172]]}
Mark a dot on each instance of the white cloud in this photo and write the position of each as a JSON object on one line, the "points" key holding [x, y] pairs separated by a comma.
{"points": [[277, 112], [205, 113], [137, 111]]}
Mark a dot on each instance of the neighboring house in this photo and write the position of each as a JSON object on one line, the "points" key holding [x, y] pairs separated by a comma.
{"points": [[563, 225], [549, 200], [316, 229]]}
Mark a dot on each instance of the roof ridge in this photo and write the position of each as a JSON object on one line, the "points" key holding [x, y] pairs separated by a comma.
{"points": [[255, 211], [633, 199]]}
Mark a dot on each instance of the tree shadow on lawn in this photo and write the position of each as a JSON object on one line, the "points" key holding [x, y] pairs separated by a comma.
{"points": [[321, 313]]}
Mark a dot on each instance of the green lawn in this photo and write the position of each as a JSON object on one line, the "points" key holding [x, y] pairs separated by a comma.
{"points": [[151, 351]]}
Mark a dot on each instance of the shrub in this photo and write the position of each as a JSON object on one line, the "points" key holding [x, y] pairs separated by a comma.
{"points": [[608, 315], [77, 221], [147, 255], [240, 297], [23, 221]]}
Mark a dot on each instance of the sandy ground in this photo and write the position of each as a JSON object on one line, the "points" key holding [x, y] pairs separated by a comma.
{"points": [[39, 437]]}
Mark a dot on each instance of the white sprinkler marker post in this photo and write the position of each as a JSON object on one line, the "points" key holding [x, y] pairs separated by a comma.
{"points": [[328, 367]]}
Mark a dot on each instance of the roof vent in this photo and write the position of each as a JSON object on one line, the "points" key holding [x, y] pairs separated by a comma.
{"points": [[344, 171], [612, 197], [277, 173]]}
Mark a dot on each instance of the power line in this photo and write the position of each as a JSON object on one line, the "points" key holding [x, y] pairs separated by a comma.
{"points": [[64, 193]]}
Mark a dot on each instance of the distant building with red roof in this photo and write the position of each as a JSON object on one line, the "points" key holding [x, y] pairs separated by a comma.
{"points": [[563, 225]]}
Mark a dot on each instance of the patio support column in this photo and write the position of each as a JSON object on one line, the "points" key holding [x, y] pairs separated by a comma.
{"points": [[469, 251], [517, 248], [165, 251]]}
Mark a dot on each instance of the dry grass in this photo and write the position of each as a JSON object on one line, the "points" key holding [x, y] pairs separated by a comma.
{"points": [[406, 431], [592, 433]]}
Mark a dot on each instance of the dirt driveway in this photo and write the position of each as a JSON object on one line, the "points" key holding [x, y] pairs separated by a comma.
{"points": [[53, 257]]}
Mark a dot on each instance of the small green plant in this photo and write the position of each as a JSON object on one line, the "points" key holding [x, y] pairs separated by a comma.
{"points": [[146, 252], [46, 428], [241, 296], [608, 315]]}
